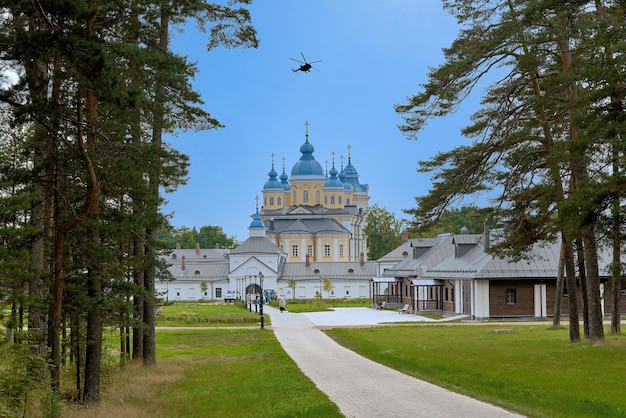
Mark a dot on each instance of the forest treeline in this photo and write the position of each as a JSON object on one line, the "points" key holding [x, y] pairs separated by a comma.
{"points": [[208, 236], [89, 90]]}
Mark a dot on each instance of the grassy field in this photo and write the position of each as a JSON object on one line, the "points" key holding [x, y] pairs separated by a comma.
{"points": [[221, 372], [529, 369], [205, 314], [211, 373]]}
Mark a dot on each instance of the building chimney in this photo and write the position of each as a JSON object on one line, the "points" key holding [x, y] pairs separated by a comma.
{"points": [[405, 236], [308, 260], [183, 263], [178, 246], [362, 259], [197, 248]]}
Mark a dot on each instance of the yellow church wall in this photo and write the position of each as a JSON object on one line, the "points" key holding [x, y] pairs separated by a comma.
{"points": [[325, 248]]}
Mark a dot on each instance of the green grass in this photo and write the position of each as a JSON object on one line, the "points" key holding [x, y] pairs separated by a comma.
{"points": [[206, 314], [241, 373], [531, 369], [211, 373], [308, 305]]}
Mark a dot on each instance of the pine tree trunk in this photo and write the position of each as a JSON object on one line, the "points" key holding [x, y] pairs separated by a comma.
{"points": [[572, 291], [596, 328], [138, 298], [558, 298]]}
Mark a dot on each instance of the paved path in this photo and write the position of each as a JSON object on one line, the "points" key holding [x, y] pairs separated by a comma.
{"points": [[361, 387]]}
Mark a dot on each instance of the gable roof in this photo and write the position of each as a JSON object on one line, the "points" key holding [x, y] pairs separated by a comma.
{"points": [[425, 252], [306, 226], [256, 245]]}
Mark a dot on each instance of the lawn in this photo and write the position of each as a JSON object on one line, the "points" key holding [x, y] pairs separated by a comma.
{"points": [[222, 372], [205, 314], [529, 369], [307, 305], [211, 373]]}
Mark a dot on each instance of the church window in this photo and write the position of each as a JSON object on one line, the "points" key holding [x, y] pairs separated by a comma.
{"points": [[294, 250], [271, 201], [332, 200], [317, 196], [305, 196], [309, 250], [340, 200], [340, 250], [294, 197], [280, 202], [326, 250], [325, 200], [347, 200]]}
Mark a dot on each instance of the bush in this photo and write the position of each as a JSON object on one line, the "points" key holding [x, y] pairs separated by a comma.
{"points": [[19, 371]]}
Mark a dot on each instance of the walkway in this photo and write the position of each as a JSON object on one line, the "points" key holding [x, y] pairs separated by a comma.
{"points": [[361, 387]]}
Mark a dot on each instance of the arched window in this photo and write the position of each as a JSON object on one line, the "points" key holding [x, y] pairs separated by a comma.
{"points": [[305, 196], [340, 200], [271, 201], [347, 200], [280, 201], [317, 196], [325, 200], [294, 197], [332, 200]]}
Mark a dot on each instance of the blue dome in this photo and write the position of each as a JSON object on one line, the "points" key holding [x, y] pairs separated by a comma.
{"points": [[284, 180], [333, 182], [257, 223], [272, 183], [342, 177], [352, 178], [307, 165]]}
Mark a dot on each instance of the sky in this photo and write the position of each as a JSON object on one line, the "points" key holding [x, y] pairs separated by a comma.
{"points": [[374, 54]]}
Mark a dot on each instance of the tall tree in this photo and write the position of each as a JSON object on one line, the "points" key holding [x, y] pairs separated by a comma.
{"points": [[383, 231], [532, 148], [94, 78]]}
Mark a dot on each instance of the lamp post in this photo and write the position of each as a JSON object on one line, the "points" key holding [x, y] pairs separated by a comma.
{"points": [[261, 300]]}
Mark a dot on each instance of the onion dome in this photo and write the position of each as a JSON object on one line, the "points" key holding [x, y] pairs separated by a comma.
{"points": [[273, 183], [284, 180], [333, 182], [307, 167], [257, 223], [352, 176]]}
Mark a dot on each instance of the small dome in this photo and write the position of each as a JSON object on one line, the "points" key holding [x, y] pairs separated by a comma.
{"points": [[333, 182], [284, 180], [257, 223], [272, 183]]}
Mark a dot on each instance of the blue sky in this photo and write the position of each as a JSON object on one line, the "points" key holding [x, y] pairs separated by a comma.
{"points": [[374, 54]]}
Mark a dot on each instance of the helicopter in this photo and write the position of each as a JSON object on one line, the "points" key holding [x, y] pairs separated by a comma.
{"points": [[306, 66]]}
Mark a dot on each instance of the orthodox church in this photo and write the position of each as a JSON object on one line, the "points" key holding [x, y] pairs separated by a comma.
{"points": [[316, 214], [309, 227]]}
